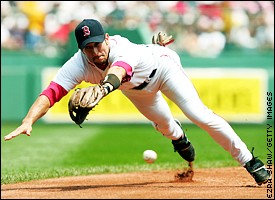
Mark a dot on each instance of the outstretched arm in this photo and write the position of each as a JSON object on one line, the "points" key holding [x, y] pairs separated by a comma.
{"points": [[37, 110], [52, 94]]}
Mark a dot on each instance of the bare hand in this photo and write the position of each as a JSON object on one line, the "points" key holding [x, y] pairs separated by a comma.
{"points": [[23, 129], [162, 39]]}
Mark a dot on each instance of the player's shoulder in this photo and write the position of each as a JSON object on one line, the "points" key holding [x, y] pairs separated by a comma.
{"points": [[77, 60], [78, 56], [116, 37], [118, 40]]}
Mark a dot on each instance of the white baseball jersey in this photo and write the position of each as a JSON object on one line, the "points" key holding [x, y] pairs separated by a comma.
{"points": [[143, 60], [154, 69]]}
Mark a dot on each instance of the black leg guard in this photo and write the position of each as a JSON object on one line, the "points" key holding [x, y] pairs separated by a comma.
{"points": [[184, 147]]}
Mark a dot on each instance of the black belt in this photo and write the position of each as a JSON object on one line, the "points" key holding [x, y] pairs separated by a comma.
{"points": [[146, 82]]}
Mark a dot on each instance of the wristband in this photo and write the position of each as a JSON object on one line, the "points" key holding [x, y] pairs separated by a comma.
{"points": [[110, 83]]}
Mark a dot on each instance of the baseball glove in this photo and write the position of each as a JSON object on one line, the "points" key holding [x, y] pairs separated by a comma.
{"points": [[83, 101], [162, 39]]}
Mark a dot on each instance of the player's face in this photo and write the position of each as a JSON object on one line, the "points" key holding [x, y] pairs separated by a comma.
{"points": [[97, 52]]}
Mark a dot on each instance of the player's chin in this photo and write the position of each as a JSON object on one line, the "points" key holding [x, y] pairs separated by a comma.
{"points": [[101, 60]]}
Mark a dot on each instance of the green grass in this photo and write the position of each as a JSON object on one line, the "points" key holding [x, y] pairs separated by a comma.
{"points": [[59, 150]]}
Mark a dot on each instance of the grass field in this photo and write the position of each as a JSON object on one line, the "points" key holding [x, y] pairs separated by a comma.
{"points": [[58, 150]]}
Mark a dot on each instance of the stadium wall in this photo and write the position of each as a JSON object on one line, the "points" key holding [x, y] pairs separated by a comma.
{"points": [[235, 85]]}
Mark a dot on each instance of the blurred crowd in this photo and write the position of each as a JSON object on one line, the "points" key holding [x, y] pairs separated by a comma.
{"points": [[200, 28]]}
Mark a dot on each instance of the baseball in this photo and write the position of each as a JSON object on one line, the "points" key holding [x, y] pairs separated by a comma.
{"points": [[149, 156]]}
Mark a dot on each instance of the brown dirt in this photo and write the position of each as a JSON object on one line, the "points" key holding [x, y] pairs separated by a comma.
{"points": [[221, 183]]}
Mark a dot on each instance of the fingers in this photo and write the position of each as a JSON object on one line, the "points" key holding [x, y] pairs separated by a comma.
{"points": [[9, 136], [169, 40], [17, 132], [162, 36], [154, 39], [163, 39]]}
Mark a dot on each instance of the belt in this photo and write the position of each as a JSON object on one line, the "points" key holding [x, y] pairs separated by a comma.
{"points": [[146, 82]]}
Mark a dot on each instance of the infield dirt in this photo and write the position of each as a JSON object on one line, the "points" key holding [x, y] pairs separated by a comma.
{"points": [[217, 183]]}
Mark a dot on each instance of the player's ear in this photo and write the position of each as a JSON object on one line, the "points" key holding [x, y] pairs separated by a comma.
{"points": [[107, 38], [106, 35]]}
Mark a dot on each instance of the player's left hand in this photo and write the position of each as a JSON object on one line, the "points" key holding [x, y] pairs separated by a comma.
{"points": [[162, 39]]}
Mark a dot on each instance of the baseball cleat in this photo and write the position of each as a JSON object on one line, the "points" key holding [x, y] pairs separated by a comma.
{"points": [[184, 147], [257, 170]]}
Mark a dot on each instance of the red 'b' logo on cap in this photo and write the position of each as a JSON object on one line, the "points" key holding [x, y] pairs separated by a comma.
{"points": [[86, 30]]}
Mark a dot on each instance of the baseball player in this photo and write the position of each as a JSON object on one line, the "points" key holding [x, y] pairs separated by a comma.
{"points": [[142, 72]]}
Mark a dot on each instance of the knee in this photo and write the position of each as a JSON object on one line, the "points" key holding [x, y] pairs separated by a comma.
{"points": [[169, 129]]}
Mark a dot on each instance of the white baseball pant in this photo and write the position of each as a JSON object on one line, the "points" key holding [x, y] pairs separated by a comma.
{"points": [[171, 80]]}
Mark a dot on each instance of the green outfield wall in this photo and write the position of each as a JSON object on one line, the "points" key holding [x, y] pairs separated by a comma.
{"points": [[245, 78]]}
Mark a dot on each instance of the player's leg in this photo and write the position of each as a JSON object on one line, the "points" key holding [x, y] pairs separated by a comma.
{"points": [[181, 91], [154, 107]]}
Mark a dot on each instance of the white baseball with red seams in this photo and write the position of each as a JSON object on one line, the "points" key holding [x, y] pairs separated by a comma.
{"points": [[149, 156]]}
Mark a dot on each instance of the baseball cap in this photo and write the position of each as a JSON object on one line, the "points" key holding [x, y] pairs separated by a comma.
{"points": [[89, 30]]}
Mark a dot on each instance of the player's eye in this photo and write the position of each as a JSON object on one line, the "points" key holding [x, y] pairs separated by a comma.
{"points": [[97, 44], [88, 47], [92, 46]]}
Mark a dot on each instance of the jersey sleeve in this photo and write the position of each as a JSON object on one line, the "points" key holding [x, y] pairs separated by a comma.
{"points": [[71, 73], [122, 56], [67, 77], [54, 92], [127, 67]]}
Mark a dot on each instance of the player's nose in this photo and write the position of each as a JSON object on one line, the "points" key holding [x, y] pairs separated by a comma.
{"points": [[95, 50]]}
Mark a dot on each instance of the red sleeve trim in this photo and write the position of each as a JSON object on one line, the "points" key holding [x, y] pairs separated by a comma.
{"points": [[127, 67], [54, 92]]}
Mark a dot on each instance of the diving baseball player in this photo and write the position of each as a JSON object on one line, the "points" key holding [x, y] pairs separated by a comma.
{"points": [[142, 72]]}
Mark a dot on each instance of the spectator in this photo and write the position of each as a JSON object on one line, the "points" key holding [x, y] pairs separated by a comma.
{"points": [[36, 24], [36, 16]]}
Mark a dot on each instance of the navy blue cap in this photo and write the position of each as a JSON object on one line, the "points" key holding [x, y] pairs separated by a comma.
{"points": [[89, 30]]}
